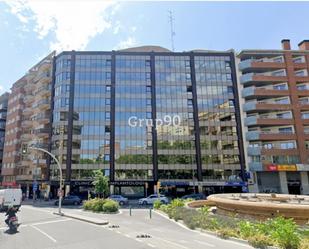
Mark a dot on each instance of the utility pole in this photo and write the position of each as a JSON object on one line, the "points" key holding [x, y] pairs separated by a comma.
{"points": [[171, 20]]}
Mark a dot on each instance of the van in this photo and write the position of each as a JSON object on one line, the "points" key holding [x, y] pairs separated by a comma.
{"points": [[10, 197]]}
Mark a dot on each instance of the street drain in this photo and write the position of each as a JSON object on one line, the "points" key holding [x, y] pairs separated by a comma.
{"points": [[143, 236], [114, 226]]}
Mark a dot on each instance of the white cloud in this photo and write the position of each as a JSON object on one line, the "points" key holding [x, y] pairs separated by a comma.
{"points": [[129, 42], [72, 24]]}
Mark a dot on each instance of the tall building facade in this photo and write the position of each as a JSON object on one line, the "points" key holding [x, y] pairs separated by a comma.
{"points": [[112, 111], [28, 124], [275, 104], [3, 112]]}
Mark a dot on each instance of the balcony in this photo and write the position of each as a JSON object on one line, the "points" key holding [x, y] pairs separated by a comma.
{"points": [[260, 66], [263, 107], [26, 123], [269, 136], [24, 178], [39, 161], [43, 132], [257, 151], [43, 104], [254, 151], [255, 166], [257, 121], [253, 93], [43, 91], [261, 79]]}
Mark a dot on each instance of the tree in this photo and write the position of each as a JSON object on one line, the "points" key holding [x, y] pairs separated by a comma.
{"points": [[100, 183]]}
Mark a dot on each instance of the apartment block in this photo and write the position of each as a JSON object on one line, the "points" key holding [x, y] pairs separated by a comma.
{"points": [[28, 123], [274, 86], [3, 112]]}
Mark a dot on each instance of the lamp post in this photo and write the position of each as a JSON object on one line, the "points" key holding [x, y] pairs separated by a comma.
{"points": [[60, 173]]}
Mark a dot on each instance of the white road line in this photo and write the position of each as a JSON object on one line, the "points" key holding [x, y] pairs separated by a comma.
{"points": [[151, 245], [49, 222], [138, 240], [127, 235], [118, 232], [42, 232], [172, 243], [204, 243]]}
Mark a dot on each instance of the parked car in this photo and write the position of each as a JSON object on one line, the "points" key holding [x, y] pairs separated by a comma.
{"points": [[120, 199], [70, 200], [152, 198], [194, 197]]}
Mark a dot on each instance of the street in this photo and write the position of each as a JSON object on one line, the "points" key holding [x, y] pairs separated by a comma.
{"points": [[40, 229]]}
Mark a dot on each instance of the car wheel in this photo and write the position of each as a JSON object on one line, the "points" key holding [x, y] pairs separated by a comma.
{"points": [[163, 202], [121, 203], [145, 203], [56, 203], [75, 203]]}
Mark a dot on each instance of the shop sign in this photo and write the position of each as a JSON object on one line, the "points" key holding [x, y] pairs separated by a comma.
{"points": [[128, 183], [302, 167], [271, 167], [286, 167], [9, 184], [174, 183], [281, 167]]}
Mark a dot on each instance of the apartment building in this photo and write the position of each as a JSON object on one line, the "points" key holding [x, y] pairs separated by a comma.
{"points": [[3, 112], [28, 123], [274, 85]]}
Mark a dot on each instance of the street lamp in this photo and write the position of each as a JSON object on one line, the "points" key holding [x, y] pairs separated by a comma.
{"points": [[60, 173]]}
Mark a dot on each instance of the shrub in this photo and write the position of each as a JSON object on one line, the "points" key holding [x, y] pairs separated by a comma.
{"points": [[157, 204], [226, 232], [285, 233], [246, 229], [110, 206], [304, 244], [259, 240]]}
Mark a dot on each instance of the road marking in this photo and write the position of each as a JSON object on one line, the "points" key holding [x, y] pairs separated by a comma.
{"points": [[127, 235], [138, 240], [204, 243], [49, 222], [42, 232], [172, 243], [151, 245], [118, 232]]}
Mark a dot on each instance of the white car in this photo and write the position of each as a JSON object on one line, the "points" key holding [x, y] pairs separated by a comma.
{"points": [[120, 199], [152, 198]]}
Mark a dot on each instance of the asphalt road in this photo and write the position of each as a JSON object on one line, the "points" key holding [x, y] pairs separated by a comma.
{"points": [[43, 230]]}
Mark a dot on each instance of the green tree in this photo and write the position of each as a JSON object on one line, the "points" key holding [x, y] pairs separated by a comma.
{"points": [[100, 183]]}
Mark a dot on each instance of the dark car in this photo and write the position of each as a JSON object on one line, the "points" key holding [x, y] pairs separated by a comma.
{"points": [[194, 197], [70, 200]]}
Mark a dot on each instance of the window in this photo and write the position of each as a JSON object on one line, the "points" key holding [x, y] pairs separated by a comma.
{"points": [[302, 87], [108, 75], [148, 89], [148, 102], [108, 89], [107, 101], [147, 63], [188, 76], [305, 115], [287, 145], [107, 116], [148, 76], [283, 101], [187, 63], [280, 87], [285, 130], [190, 103], [108, 63], [284, 115], [148, 115]]}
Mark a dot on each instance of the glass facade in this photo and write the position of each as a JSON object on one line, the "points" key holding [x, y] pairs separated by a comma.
{"points": [[133, 144], [92, 116]]}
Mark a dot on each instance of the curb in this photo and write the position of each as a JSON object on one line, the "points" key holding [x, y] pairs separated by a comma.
{"points": [[84, 218]]}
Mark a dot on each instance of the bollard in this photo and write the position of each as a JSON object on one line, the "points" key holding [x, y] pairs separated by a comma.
{"points": [[130, 210], [150, 213]]}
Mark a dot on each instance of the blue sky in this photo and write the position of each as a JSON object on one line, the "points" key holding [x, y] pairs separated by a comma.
{"points": [[30, 29]]}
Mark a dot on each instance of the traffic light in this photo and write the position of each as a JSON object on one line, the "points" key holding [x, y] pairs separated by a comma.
{"points": [[24, 149]]}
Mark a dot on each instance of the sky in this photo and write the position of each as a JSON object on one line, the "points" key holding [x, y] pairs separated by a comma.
{"points": [[31, 29]]}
